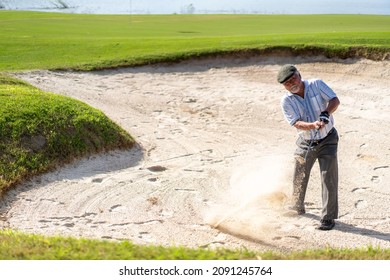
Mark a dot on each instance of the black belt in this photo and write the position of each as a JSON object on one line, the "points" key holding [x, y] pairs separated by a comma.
{"points": [[316, 142]]}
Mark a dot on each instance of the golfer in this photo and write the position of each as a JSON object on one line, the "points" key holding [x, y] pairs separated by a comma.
{"points": [[308, 106]]}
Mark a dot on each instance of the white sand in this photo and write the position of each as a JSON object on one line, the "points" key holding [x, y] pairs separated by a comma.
{"points": [[213, 146]]}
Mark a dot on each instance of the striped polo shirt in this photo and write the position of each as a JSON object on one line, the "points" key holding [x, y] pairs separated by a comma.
{"points": [[308, 109]]}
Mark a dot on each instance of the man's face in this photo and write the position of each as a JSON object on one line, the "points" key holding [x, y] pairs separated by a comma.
{"points": [[293, 84]]}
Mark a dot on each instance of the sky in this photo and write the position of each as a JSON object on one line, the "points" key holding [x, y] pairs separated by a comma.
{"points": [[211, 6]]}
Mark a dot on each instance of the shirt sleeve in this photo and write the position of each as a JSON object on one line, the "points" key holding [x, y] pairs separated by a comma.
{"points": [[326, 92]]}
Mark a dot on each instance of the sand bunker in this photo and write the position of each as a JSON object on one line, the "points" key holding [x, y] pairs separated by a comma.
{"points": [[214, 149]]}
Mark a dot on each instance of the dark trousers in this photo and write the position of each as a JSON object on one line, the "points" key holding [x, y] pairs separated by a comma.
{"points": [[326, 153]]}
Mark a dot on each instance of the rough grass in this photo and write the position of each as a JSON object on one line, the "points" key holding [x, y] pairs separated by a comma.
{"points": [[41, 130], [16, 246]]}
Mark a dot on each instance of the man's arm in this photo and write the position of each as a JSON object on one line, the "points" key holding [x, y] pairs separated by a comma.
{"points": [[332, 107]]}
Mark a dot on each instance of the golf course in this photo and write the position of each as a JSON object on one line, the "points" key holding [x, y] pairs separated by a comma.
{"points": [[130, 136]]}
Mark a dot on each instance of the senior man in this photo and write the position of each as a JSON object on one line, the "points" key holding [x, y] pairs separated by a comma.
{"points": [[308, 105]]}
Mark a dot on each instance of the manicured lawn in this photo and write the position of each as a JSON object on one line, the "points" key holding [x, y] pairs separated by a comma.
{"points": [[32, 40]]}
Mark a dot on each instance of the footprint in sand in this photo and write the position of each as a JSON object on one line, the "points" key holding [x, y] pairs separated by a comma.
{"points": [[359, 190], [364, 145], [381, 167], [286, 237], [106, 237], [185, 190], [150, 222], [97, 180], [144, 235], [118, 208], [375, 179], [361, 204], [153, 179], [69, 225], [157, 168], [166, 213]]}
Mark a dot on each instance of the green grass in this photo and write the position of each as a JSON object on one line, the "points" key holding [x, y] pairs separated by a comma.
{"points": [[16, 245], [40, 131], [32, 40]]}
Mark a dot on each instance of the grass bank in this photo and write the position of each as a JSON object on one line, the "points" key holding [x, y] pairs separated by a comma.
{"points": [[33, 40], [15, 245], [41, 130]]}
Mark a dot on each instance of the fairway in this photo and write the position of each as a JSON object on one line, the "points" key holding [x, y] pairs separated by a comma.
{"points": [[33, 40]]}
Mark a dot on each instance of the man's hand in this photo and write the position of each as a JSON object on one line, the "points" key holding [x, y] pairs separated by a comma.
{"points": [[318, 125]]}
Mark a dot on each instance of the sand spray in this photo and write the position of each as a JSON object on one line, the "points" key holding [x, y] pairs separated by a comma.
{"points": [[257, 192]]}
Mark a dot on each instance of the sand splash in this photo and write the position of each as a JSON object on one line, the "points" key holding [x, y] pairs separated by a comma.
{"points": [[257, 192]]}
